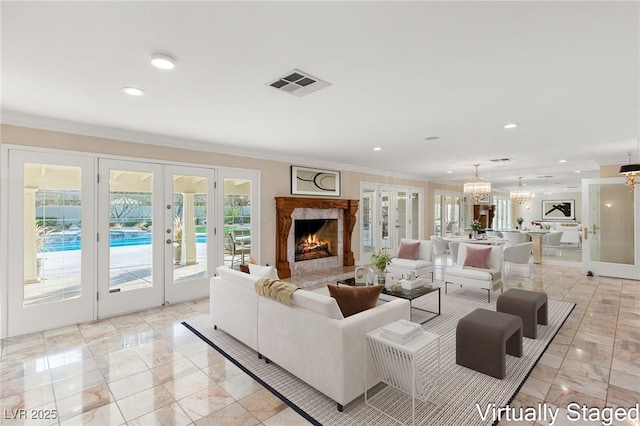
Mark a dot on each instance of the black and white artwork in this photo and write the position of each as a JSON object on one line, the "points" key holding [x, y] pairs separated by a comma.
{"points": [[307, 181], [558, 210]]}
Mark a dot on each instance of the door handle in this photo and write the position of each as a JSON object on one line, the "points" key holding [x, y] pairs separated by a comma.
{"points": [[586, 231]]}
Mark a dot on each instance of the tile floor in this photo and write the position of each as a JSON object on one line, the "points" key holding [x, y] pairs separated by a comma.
{"points": [[146, 368]]}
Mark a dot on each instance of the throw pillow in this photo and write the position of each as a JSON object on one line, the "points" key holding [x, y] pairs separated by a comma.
{"points": [[477, 257], [263, 271], [352, 300], [409, 250]]}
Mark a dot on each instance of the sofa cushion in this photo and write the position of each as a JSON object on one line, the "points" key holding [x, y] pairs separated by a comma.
{"points": [[352, 299], [263, 271], [425, 247], [409, 250], [477, 257], [237, 277], [411, 264], [481, 274], [320, 304]]}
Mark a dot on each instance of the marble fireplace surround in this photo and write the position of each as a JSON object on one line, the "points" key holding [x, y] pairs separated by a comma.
{"points": [[286, 212]]}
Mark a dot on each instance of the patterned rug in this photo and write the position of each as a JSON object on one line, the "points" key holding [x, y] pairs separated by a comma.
{"points": [[463, 394]]}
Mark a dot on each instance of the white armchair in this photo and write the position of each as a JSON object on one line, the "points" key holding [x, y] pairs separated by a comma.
{"points": [[485, 279], [400, 267], [519, 254]]}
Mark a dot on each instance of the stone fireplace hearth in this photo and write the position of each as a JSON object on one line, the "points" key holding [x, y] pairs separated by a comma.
{"points": [[289, 209]]}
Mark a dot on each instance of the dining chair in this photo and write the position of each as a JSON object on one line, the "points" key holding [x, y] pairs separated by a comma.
{"points": [[551, 241], [440, 249]]}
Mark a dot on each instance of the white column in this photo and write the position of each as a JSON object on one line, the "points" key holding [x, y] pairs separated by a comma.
{"points": [[30, 242], [189, 229]]}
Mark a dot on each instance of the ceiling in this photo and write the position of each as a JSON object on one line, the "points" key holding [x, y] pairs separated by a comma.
{"points": [[400, 72]]}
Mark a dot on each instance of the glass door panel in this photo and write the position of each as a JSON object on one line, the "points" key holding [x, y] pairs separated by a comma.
{"points": [[416, 220], [237, 221], [187, 222], [437, 214], [402, 216], [131, 237], [51, 236], [239, 217], [386, 202], [368, 231], [610, 212]]}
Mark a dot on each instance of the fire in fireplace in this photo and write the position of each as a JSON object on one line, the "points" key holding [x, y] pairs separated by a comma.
{"points": [[315, 238]]}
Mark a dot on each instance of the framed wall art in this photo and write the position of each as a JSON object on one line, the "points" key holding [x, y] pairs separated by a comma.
{"points": [[558, 210], [308, 181]]}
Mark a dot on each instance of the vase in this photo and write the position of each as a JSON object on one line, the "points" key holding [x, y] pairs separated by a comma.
{"points": [[381, 278], [475, 234]]}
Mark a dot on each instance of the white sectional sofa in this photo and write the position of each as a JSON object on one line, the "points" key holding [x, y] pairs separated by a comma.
{"points": [[423, 265], [309, 338]]}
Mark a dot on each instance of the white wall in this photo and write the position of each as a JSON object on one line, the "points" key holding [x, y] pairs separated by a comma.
{"points": [[531, 210]]}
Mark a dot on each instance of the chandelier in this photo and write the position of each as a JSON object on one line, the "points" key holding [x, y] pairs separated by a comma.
{"points": [[478, 189], [520, 195], [631, 171]]}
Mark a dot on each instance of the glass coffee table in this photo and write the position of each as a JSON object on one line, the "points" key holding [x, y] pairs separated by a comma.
{"points": [[414, 294], [409, 295]]}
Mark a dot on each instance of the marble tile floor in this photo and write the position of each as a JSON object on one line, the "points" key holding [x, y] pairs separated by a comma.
{"points": [[146, 368]]}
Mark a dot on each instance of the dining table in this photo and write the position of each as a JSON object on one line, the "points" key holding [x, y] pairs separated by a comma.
{"points": [[536, 239], [495, 241]]}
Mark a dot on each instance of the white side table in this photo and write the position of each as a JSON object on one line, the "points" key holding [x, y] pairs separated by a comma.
{"points": [[413, 368]]}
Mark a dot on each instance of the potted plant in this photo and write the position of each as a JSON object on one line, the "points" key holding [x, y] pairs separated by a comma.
{"points": [[381, 259], [177, 239], [475, 227]]}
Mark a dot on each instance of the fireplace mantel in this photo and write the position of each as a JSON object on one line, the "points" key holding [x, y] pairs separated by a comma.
{"points": [[285, 207]]}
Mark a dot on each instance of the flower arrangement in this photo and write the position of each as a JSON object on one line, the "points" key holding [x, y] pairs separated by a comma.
{"points": [[381, 259], [520, 220], [476, 225]]}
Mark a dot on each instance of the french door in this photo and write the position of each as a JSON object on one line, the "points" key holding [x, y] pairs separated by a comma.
{"points": [[91, 237], [155, 245], [610, 213], [388, 214], [51, 237], [189, 257]]}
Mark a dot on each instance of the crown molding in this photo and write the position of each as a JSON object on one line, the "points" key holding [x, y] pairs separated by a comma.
{"points": [[19, 119]]}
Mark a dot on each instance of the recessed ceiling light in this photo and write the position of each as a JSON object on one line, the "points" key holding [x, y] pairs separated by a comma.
{"points": [[133, 91], [164, 62], [562, 161], [377, 148], [511, 125], [578, 171], [449, 171]]}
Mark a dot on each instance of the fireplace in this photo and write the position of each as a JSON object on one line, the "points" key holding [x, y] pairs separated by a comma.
{"points": [[289, 210], [315, 238]]}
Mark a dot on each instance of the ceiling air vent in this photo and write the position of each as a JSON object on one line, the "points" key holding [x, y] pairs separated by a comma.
{"points": [[298, 83], [501, 160]]}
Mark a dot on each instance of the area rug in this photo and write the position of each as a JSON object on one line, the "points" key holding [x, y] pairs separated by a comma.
{"points": [[462, 397]]}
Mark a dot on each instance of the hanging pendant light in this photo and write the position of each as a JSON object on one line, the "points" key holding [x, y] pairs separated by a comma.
{"points": [[478, 189], [631, 171], [520, 195]]}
